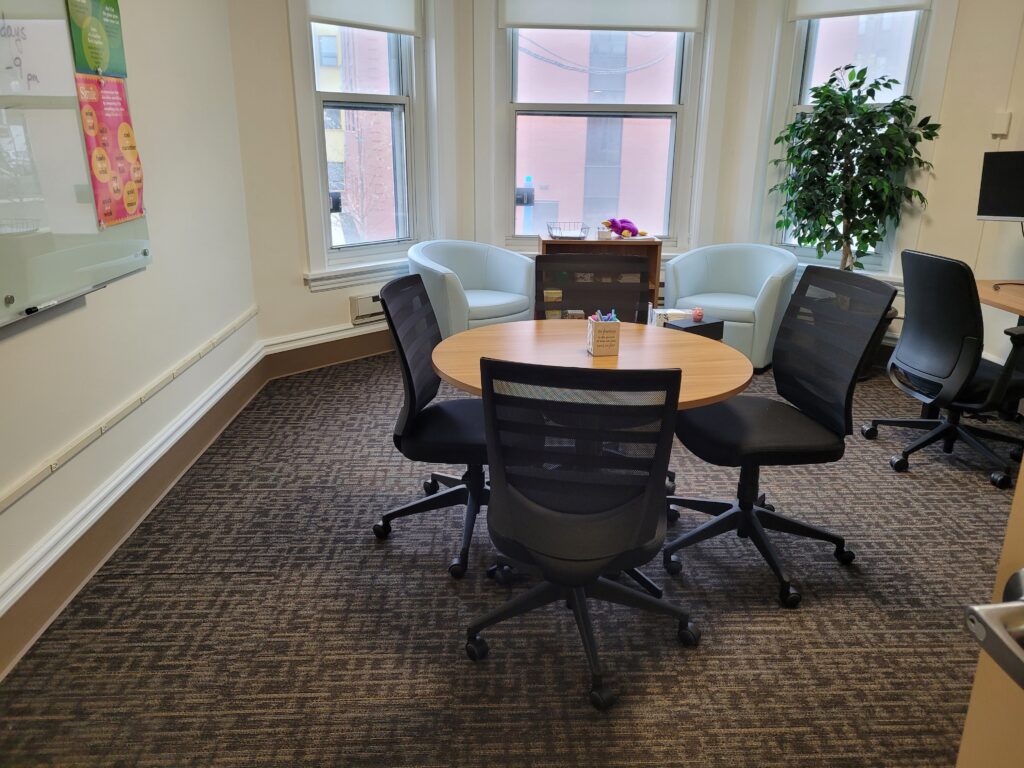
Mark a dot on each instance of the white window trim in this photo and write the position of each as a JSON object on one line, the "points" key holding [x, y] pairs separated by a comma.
{"points": [[375, 261], [495, 115], [933, 38]]}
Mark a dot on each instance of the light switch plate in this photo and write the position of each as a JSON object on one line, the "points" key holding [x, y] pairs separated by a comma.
{"points": [[1001, 123]]}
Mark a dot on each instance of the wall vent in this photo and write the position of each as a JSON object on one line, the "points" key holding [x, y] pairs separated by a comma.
{"points": [[366, 309]]}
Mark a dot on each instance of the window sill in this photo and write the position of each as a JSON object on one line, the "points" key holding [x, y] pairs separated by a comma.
{"points": [[356, 274]]}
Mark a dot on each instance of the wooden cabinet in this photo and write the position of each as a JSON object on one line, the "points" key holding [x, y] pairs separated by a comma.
{"points": [[588, 275]]}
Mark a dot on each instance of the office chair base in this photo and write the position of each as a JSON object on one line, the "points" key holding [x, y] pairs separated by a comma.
{"points": [[749, 516], [505, 573], [471, 490], [949, 430], [605, 590], [437, 479]]}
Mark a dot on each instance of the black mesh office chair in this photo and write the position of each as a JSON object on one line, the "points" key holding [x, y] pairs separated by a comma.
{"points": [[823, 338], [938, 361], [446, 432], [578, 463]]}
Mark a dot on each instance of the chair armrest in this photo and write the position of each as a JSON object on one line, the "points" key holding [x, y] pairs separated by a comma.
{"points": [[446, 294], [684, 276], [510, 271], [769, 308]]}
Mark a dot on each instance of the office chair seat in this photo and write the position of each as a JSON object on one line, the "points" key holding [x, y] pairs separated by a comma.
{"points": [[756, 430], [448, 432], [984, 379], [578, 572]]}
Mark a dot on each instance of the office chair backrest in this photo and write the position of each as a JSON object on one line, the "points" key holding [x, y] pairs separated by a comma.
{"points": [[578, 457], [943, 333], [823, 339], [415, 331]]}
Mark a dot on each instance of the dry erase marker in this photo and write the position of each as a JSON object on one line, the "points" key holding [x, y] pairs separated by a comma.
{"points": [[40, 308]]}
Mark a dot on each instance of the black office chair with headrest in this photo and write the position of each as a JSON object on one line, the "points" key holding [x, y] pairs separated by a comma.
{"points": [[578, 461], [446, 432], [821, 343], [938, 362]]}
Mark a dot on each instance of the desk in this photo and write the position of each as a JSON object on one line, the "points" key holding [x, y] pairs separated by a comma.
{"points": [[1009, 297], [712, 371]]}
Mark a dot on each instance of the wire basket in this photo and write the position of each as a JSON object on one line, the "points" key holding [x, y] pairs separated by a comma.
{"points": [[568, 230]]}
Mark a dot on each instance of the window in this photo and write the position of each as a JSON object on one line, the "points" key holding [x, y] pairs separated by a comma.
{"points": [[885, 43], [597, 121], [362, 99], [358, 70], [882, 42]]}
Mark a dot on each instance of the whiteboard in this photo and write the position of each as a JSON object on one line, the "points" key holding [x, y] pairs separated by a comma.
{"points": [[51, 246]]}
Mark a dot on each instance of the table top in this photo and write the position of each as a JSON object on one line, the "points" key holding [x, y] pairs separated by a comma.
{"points": [[712, 371], [1008, 296]]}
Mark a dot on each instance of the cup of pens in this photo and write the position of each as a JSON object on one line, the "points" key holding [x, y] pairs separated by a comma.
{"points": [[603, 334]]}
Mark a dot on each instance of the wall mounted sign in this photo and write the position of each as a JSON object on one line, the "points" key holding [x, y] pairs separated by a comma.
{"points": [[114, 164], [96, 37]]}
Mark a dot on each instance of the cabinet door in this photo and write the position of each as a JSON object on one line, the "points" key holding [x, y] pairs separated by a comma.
{"points": [[992, 734]]}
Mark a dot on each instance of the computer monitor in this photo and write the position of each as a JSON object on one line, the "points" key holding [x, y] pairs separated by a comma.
{"points": [[1002, 187]]}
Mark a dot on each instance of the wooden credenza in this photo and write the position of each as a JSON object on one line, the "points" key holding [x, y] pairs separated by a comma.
{"points": [[588, 275]]}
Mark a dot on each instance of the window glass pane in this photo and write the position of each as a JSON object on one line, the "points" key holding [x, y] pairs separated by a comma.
{"points": [[566, 66], [591, 168], [882, 42], [349, 60], [366, 173]]}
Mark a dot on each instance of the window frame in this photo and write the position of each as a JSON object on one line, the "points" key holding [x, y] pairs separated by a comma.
{"points": [[327, 265], [789, 105], [684, 111]]}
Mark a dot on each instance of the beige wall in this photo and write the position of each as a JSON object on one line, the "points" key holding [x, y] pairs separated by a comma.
{"points": [[986, 74], [268, 139], [64, 375]]}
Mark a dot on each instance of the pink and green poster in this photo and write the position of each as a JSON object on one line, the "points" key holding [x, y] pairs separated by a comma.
{"points": [[114, 164]]}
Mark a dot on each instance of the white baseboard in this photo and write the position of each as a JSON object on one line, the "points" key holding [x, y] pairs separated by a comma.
{"points": [[320, 336], [18, 578], [24, 573]]}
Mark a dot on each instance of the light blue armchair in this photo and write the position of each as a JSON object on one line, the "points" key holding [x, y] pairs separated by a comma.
{"points": [[472, 284], [747, 285]]}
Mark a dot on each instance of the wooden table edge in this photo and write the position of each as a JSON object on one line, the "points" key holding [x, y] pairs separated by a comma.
{"points": [[700, 403]]}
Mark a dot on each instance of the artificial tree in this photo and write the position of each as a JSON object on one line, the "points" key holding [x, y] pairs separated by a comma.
{"points": [[847, 163]]}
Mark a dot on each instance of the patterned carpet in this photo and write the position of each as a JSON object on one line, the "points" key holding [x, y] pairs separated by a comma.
{"points": [[253, 619]]}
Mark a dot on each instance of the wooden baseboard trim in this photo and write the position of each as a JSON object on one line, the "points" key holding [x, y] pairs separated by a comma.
{"points": [[27, 619]]}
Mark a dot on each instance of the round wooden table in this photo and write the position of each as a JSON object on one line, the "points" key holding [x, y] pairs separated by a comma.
{"points": [[712, 371]]}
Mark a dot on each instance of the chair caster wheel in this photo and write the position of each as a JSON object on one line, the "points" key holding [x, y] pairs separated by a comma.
{"points": [[1000, 480], [458, 568], [430, 487], [672, 515], [899, 463], [845, 556], [1016, 454], [870, 432], [769, 507], [762, 502], [602, 698], [502, 574], [788, 596], [673, 565], [476, 648], [382, 529], [670, 487], [688, 634]]}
